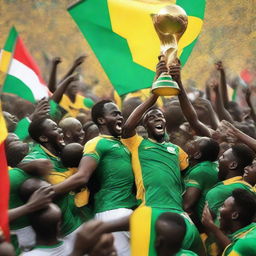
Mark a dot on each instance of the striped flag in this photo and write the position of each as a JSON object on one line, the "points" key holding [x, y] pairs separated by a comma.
{"points": [[123, 38], [4, 179], [23, 76]]}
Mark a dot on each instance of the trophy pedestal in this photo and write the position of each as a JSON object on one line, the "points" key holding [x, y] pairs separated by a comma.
{"points": [[165, 86]]}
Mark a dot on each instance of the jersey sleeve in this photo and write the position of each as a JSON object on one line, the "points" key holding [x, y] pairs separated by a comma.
{"points": [[94, 149], [195, 179], [22, 128], [183, 159]]}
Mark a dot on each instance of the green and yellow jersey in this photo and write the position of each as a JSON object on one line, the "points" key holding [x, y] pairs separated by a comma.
{"points": [[143, 235], [112, 182], [242, 242], [202, 176], [218, 194], [74, 108], [70, 222], [156, 168]]}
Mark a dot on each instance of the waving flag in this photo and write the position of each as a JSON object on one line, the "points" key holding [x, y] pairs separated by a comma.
{"points": [[23, 75], [123, 38]]}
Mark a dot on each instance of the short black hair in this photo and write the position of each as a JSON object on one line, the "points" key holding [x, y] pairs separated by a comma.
{"points": [[98, 110], [71, 155], [36, 129], [210, 150], [244, 155], [245, 203]]}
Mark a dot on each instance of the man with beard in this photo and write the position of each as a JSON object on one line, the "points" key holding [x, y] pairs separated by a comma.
{"points": [[72, 130], [237, 216], [157, 166], [106, 163], [49, 144]]}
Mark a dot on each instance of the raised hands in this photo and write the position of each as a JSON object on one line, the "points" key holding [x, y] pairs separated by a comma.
{"points": [[41, 111], [78, 61]]}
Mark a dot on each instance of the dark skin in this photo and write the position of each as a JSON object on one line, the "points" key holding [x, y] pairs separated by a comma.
{"points": [[249, 103], [110, 124], [52, 79]]}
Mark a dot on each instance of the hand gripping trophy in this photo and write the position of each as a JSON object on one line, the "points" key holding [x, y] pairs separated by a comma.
{"points": [[170, 24]]}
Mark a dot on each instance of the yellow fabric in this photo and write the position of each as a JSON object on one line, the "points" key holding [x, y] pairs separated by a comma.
{"points": [[90, 146], [3, 128], [117, 99], [232, 180], [140, 225], [183, 158], [142, 35], [133, 145], [73, 108], [5, 59]]}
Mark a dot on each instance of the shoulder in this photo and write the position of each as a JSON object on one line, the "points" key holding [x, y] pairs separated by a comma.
{"points": [[133, 142]]}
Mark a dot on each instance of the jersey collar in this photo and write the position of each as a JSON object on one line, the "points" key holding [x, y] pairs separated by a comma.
{"points": [[232, 180], [109, 137], [47, 151]]}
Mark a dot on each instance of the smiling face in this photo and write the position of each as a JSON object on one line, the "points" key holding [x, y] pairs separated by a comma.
{"points": [[250, 173], [52, 134], [155, 123], [112, 119]]}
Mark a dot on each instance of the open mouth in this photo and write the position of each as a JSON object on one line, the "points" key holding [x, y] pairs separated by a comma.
{"points": [[118, 126], [245, 173], [61, 140], [159, 128]]}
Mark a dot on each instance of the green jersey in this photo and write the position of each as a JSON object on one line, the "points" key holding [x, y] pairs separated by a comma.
{"points": [[157, 174], [202, 176], [218, 194], [70, 221], [242, 242], [142, 228], [17, 177], [112, 182], [185, 253]]}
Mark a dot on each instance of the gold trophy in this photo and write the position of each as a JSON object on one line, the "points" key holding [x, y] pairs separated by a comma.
{"points": [[170, 24]]}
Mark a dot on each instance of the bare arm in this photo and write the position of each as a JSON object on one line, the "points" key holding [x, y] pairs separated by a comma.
{"points": [[249, 103], [223, 83], [135, 117], [86, 168], [190, 198], [186, 106], [221, 111], [57, 95], [52, 78], [74, 66]]}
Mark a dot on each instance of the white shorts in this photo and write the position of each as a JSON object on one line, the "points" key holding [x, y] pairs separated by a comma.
{"points": [[121, 239], [26, 237]]}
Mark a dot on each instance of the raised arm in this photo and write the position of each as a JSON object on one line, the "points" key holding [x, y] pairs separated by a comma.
{"points": [[134, 119], [52, 78], [57, 95], [186, 106], [249, 103], [74, 66], [223, 83], [221, 110]]}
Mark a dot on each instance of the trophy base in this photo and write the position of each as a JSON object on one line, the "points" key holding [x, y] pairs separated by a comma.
{"points": [[165, 86]]}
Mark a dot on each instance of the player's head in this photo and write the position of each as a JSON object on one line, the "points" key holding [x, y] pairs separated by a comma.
{"points": [[238, 210], [203, 149], [155, 123], [250, 173], [72, 130], [71, 155], [170, 232], [107, 116], [91, 131], [234, 160], [47, 133]]}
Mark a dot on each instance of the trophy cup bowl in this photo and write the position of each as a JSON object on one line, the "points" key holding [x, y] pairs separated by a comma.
{"points": [[170, 24]]}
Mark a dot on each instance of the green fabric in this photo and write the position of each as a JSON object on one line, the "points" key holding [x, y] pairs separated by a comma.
{"points": [[70, 222], [192, 240], [113, 180], [21, 129], [243, 242], [185, 253], [17, 177], [93, 19], [202, 176], [88, 102], [15, 244], [161, 174], [11, 40], [217, 195], [56, 111]]}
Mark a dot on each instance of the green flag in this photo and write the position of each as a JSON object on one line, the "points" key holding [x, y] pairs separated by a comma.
{"points": [[122, 36]]}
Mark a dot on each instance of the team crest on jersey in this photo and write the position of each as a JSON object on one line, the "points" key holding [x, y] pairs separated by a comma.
{"points": [[171, 150]]}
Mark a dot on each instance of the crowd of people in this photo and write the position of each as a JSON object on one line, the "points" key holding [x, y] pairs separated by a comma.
{"points": [[154, 176]]}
